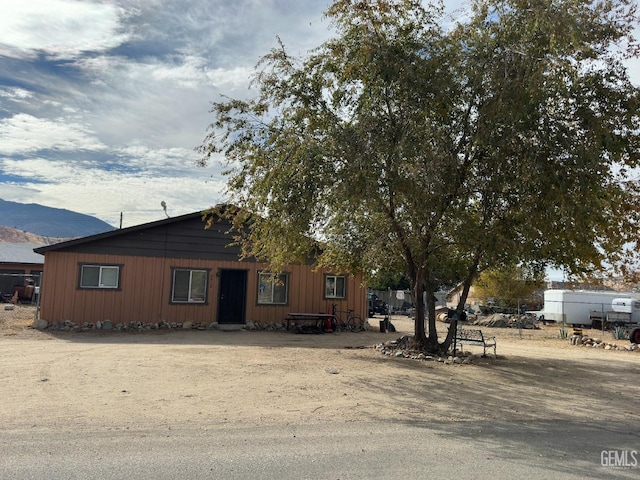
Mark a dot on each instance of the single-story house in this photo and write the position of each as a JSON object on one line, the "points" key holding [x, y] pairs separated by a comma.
{"points": [[175, 270], [19, 264]]}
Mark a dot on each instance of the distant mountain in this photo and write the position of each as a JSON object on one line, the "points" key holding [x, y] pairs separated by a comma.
{"points": [[13, 235], [49, 222]]}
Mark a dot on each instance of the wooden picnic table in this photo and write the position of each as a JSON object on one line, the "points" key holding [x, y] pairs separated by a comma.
{"points": [[319, 319]]}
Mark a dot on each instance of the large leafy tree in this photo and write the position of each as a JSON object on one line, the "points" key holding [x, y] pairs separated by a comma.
{"points": [[441, 148], [383, 280], [509, 286]]}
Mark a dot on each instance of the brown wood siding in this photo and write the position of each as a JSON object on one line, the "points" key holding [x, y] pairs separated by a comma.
{"points": [[145, 290]]}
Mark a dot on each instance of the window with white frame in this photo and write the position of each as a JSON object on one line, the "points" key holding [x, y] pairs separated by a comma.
{"points": [[335, 286], [273, 289], [189, 285], [100, 276]]}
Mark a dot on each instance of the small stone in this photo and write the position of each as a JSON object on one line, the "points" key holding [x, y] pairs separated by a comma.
{"points": [[40, 324], [399, 354], [187, 325], [107, 325]]}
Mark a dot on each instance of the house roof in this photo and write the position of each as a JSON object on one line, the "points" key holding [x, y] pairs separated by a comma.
{"points": [[20, 253], [116, 233], [183, 236]]}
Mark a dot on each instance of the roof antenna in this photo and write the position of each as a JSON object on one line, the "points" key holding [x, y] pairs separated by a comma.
{"points": [[163, 204]]}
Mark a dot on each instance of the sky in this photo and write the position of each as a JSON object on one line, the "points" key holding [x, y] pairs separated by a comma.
{"points": [[102, 103]]}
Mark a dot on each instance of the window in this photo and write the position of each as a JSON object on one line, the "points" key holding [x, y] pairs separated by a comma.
{"points": [[189, 286], [272, 289], [334, 286], [99, 276]]}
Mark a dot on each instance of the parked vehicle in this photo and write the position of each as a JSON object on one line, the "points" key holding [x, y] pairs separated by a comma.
{"points": [[591, 308], [24, 292], [376, 305]]}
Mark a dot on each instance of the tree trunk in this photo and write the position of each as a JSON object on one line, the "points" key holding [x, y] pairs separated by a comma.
{"points": [[466, 286], [420, 337], [423, 341], [453, 326], [432, 341]]}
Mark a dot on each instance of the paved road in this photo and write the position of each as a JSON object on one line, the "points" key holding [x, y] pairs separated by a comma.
{"points": [[553, 450]]}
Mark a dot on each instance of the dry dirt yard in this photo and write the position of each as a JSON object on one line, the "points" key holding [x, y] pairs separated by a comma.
{"points": [[199, 379]]}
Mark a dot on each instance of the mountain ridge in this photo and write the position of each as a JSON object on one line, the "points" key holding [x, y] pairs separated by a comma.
{"points": [[13, 235], [48, 223]]}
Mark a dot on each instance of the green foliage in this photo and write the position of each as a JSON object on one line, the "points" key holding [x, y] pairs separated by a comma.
{"points": [[620, 333], [563, 333], [509, 285], [383, 280], [441, 150]]}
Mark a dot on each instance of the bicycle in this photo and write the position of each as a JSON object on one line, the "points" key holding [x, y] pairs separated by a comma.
{"points": [[353, 323]]}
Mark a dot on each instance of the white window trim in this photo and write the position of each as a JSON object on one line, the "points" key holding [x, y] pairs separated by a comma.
{"points": [[334, 294], [190, 293], [270, 278], [101, 284]]}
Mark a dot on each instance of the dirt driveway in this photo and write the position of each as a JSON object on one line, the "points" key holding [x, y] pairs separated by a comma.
{"points": [[199, 379]]}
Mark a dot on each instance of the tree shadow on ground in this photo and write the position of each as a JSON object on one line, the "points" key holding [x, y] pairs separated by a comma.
{"points": [[561, 446], [529, 411]]}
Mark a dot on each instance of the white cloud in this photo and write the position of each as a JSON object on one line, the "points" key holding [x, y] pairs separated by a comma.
{"points": [[175, 161], [105, 99], [58, 27], [25, 133], [228, 80], [183, 71], [15, 94], [106, 194]]}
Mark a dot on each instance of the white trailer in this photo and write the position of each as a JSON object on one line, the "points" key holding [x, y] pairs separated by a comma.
{"points": [[581, 307]]}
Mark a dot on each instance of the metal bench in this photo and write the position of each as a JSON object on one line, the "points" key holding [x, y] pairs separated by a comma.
{"points": [[465, 336]]}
